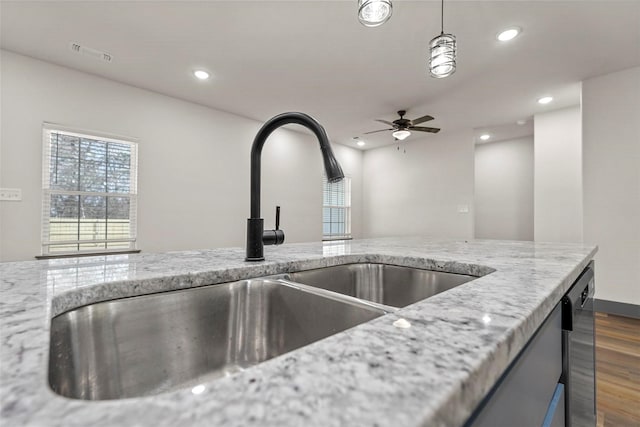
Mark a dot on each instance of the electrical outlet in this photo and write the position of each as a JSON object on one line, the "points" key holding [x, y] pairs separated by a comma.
{"points": [[11, 194]]}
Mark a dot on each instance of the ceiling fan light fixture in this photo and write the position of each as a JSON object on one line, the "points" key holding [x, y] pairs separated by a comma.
{"points": [[401, 134], [372, 13]]}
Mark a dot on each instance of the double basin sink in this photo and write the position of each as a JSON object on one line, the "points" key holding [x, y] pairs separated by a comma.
{"points": [[150, 344]]}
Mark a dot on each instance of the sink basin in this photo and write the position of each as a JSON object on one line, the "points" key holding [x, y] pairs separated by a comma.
{"points": [[155, 343], [391, 285]]}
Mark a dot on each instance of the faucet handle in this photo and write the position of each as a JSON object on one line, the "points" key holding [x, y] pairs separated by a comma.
{"points": [[274, 237]]}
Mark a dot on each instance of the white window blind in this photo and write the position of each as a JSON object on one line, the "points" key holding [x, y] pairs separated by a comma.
{"points": [[336, 209], [89, 193]]}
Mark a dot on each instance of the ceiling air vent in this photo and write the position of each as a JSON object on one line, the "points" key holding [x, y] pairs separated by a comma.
{"points": [[93, 53]]}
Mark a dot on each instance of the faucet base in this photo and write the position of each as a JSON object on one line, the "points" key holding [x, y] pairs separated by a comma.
{"points": [[255, 248]]}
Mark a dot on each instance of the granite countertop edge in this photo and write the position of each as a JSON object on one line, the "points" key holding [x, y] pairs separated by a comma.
{"points": [[434, 373]]}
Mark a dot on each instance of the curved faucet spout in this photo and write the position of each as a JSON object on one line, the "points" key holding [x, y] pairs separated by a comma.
{"points": [[331, 165], [255, 229]]}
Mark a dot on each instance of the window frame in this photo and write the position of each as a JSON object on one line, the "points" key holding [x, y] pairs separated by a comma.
{"points": [[347, 210], [132, 195]]}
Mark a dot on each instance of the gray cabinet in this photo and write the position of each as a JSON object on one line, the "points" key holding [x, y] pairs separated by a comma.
{"points": [[526, 393]]}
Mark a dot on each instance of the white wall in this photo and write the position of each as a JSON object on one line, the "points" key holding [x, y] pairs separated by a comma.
{"points": [[611, 135], [418, 193], [504, 190], [193, 161], [558, 176]]}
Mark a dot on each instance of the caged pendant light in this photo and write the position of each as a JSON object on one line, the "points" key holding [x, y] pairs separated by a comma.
{"points": [[442, 52], [372, 13]]}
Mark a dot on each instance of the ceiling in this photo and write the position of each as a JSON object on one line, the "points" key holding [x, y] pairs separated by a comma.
{"points": [[507, 131], [268, 57]]}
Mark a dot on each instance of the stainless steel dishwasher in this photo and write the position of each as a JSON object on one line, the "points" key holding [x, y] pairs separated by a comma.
{"points": [[578, 351]]}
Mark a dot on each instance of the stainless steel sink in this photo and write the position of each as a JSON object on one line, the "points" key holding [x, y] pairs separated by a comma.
{"points": [[391, 285], [150, 344]]}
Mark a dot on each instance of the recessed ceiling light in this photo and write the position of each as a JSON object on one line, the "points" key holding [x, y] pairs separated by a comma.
{"points": [[508, 34], [199, 389], [358, 141], [545, 100], [201, 74], [485, 136]]}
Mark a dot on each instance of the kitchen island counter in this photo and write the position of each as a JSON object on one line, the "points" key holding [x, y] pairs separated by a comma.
{"points": [[434, 373]]}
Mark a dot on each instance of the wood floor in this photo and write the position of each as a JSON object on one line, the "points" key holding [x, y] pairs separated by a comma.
{"points": [[617, 371]]}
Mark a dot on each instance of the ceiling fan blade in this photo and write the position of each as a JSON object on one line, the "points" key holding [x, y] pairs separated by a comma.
{"points": [[374, 131], [384, 121], [422, 119], [424, 129]]}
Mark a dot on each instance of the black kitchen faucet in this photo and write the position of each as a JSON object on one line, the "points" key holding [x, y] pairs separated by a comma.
{"points": [[257, 236]]}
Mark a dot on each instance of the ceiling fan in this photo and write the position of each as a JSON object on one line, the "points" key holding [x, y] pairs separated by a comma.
{"points": [[402, 127]]}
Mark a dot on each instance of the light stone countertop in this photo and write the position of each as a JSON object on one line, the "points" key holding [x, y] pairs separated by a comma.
{"points": [[434, 373]]}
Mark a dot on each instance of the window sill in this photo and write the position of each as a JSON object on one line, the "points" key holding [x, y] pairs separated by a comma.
{"points": [[85, 254], [334, 239]]}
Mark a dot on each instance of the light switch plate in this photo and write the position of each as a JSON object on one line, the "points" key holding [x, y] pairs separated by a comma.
{"points": [[463, 208], [11, 194]]}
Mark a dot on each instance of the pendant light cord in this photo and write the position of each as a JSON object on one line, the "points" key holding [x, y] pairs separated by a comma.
{"points": [[442, 17]]}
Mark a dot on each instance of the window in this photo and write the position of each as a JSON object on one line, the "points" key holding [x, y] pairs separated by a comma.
{"points": [[336, 209], [89, 194]]}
